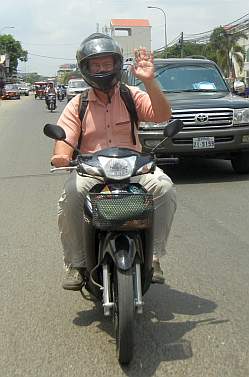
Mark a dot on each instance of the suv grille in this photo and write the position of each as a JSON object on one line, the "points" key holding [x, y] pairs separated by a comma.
{"points": [[189, 140], [204, 118]]}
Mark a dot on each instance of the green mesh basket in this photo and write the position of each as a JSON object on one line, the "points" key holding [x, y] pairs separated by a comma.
{"points": [[110, 210]]}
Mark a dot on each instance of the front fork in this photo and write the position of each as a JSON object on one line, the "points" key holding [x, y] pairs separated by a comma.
{"points": [[107, 303], [137, 286]]}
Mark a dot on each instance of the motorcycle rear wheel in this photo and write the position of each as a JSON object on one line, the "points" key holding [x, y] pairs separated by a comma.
{"points": [[51, 107], [124, 314]]}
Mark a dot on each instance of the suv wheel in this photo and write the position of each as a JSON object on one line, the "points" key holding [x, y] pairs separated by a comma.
{"points": [[240, 163]]}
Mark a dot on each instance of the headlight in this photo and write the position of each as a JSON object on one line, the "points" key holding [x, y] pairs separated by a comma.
{"points": [[152, 126], [241, 116], [117, 168]]}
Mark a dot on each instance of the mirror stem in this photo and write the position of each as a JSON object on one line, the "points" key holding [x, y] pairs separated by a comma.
{"points": [[159, 144]]}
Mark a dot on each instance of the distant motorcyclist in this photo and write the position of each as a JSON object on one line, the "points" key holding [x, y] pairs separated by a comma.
{"points": [[60, 92], [50, 89], [107, 124]]}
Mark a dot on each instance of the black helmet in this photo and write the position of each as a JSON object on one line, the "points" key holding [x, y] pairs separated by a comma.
{"points": [[97, 45]]}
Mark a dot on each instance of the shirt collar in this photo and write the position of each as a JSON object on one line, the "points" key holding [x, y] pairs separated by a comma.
{"points": [[92, 96]]}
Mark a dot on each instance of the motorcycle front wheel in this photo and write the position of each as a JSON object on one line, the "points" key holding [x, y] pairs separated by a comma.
{"points": [[123, 314]]}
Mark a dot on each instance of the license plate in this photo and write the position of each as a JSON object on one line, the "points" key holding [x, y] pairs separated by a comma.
{"points": [[205, 142]]}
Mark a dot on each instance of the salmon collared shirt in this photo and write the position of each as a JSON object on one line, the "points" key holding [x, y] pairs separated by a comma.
{"points": [[105, 125]]}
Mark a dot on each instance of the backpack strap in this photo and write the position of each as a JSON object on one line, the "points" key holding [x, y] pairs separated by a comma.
{"points": [[83, 104], [82, 110], [130, 106]]}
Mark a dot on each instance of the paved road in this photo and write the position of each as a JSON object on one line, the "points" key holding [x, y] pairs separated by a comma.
{"points": [[195, 326]]}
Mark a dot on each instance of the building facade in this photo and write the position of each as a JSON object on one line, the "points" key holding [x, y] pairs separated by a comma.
{"points": [[65, 68], [131, 34]]}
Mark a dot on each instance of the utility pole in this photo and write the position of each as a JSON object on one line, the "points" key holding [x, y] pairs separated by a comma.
{"points": [[105, 30], [165, 30], [181, 44]]}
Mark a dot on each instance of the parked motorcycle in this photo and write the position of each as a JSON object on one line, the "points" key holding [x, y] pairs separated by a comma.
{"points": [[118, 215], [51, 102]]}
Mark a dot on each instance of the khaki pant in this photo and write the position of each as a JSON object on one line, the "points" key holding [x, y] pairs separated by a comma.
{"points": [[71, 204]]}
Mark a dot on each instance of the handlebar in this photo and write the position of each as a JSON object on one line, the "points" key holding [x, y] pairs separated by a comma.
{"points": [[73, 164], [67, 168]]}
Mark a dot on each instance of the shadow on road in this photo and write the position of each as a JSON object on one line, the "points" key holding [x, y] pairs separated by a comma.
{"points": [[201, 170], [158, 337]]}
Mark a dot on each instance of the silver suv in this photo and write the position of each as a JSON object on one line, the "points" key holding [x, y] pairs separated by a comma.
{"points": [[75, 86], [216, 121]]}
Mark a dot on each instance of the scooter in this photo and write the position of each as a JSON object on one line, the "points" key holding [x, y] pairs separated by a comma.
{"points": [[118, 215], [60, 95], [51, 102]]}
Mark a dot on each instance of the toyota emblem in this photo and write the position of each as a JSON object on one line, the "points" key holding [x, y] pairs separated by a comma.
{"points": [[201, 118]]}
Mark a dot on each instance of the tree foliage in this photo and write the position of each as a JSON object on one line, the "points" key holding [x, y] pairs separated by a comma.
{"points": [[33, 77], [187, 49], [223, 48], [65, 77], [12, 47], [224, 44]]}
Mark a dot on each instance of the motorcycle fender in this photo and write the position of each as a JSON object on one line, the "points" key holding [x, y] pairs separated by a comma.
{"points": [[122, 248]]}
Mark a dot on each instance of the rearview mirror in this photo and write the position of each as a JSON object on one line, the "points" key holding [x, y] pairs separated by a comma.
{"points": [[239, 87], [54, 132], [173, 128]]}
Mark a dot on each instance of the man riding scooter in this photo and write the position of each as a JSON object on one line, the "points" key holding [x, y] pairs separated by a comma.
{"points": [[107, 123], [49, 91]]}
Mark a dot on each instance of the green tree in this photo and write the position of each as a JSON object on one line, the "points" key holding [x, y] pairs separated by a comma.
{"points": [[65, 77], [33, 77], [188, 49], [8, 45], [225, 47]]}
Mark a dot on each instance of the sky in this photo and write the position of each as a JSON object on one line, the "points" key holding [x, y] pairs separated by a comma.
{"points": [[53, 30]]}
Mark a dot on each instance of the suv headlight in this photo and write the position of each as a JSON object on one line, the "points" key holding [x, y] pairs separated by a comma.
{"points": [[117, 168], [152, 126], [241, 116]]}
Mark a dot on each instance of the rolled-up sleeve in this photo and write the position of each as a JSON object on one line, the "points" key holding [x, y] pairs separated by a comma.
{"points": [[143, 105]]}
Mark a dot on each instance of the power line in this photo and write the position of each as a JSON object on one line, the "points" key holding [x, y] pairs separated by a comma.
{"points": [[247, 14], [49, 44], [50, 57], [204, 36]]}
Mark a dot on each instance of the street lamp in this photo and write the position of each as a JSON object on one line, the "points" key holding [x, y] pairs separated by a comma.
{"points": [[165, 32], [6, 27]]}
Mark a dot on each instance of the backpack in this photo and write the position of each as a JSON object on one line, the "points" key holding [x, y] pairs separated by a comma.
{"points": [[128, 101]]}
